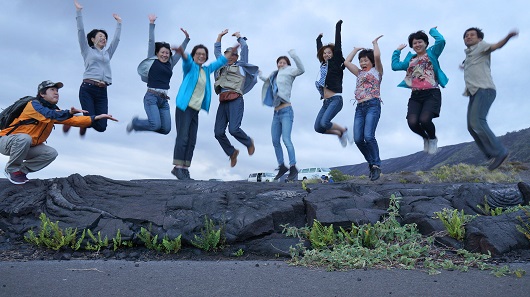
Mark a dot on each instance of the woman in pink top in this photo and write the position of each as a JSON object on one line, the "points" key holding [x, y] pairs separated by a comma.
{"points": [[368, 97]]}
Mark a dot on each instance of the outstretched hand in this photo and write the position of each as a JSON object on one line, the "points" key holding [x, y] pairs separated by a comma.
{"points": [[375, 40], [105, 116], [185, 33], [74, 110], [513, 33], [152, 18], [401, 46], [223, 33], [237, 34], [77, 5], [117, 17]]}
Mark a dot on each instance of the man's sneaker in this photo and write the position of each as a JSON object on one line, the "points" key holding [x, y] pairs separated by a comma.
{"points": [[425, 144], [282, 169], [433, 146], [344, 138], [177, 172], [233, 158], [376, 173], [251, 149], [187, 173], [497, 161], [17, 178], [66, 128], [371, 172], [293, 173]]}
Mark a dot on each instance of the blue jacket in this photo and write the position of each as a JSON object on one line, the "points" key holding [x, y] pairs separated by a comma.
{"points": [[191, 76], [433, 52]]}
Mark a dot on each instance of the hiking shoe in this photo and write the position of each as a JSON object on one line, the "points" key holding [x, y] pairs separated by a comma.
{"points": [[177, 172], [433, 146], [497, 161], [376, 173], [66, 128], [187, 173], [293, 173], [17, 178], [425, 144], [233, 157], [82, 131], [282, 169], [344, 138], [371, 171], [251, 149]]}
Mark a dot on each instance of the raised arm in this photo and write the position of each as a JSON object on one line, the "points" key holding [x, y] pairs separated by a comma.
{"points": [[151, 42], [83, 44], [337, 49], [501, 43], [217, 45], [244, 47], [299, 70], [348, 61], [439, 42], [175, 58], [116, 39], [319, 41], [377, 56], [396, 64]]}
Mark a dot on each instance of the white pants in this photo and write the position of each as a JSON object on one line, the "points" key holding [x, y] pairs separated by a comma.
{"points": [[24, 157]]}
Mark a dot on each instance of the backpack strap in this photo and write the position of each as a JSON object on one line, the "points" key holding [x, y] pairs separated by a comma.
{"points": [[20, 123]]}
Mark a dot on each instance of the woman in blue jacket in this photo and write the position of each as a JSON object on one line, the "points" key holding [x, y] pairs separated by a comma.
{"points": [[424, 76], [156, 71], [194, 94]]}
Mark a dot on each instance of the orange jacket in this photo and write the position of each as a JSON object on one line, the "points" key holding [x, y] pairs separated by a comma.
{"points": [[47, 115]]}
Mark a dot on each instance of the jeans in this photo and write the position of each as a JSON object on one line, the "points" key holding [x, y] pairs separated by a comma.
{"points": [[330, 108], [282, 125], [158, 115], [477, 110], [24, 157], [94, 100], [230, 113], [187, 124], [364, 124]]}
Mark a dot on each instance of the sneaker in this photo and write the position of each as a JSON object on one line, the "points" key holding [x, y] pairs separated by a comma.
{"points": [[130, 127], [66, 128], [376, 173], [282, 169], [17, 178], [344, 138], [251, 149], [177, 172], [425, 144], [233, 157], [371, 171], [187, 173], [525, 190], [433, 146], [82, 131], [293, 173], [497, 161]]}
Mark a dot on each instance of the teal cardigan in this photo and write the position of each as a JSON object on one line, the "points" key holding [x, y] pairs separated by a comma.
{"points": [[191, 76], [433, 52]]}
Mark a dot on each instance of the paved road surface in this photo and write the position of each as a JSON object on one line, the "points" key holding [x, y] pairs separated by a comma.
{"points": [[244, 278]]}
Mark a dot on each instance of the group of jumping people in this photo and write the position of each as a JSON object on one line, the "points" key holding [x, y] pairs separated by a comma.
{"points": [[234, 77]]}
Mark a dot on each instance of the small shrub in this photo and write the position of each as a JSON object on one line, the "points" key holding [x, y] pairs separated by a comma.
{"points": [[171, 246], [339, 176], [454, 222], [211, 239], [96, 243], [51, 235], [525, 224]]}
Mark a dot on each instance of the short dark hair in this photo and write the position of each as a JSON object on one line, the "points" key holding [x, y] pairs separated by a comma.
{"points": [[283, 58], [198, 46], [320, 53], [368, 53], [160, 45], [93, 33], [480, 34], [418, 35]]}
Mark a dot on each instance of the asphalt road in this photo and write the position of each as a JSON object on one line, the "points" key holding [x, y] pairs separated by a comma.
{"points": [[242, 278]]}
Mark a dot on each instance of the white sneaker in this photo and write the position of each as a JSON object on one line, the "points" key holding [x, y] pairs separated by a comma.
{"points": [[425, 144], [433, 146], [344, 138]]}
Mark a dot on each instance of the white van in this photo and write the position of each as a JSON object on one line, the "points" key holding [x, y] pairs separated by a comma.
{"points": [[313, 173], [261, 177]]}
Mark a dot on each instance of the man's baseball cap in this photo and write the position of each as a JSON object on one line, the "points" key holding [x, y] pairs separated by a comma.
{"points": [[229, 49], [48, 84]]}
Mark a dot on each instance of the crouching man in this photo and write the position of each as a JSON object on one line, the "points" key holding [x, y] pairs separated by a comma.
{"points": [[25, 144]]}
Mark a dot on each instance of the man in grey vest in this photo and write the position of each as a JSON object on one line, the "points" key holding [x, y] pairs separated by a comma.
{"points": [[481, 91], [231, 83]]}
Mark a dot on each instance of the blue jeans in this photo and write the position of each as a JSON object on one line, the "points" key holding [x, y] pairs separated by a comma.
{"points": [[230, 113], [158, 115], [94, 100], [282, 125], [187, 124], [477, 125], [364, 124], [330, 108]]}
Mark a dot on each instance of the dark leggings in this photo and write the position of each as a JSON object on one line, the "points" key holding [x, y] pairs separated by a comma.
{"points": [[424, 105]]}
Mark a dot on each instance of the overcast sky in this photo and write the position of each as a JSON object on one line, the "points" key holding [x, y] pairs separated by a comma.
{"points": [[39, 42]]}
